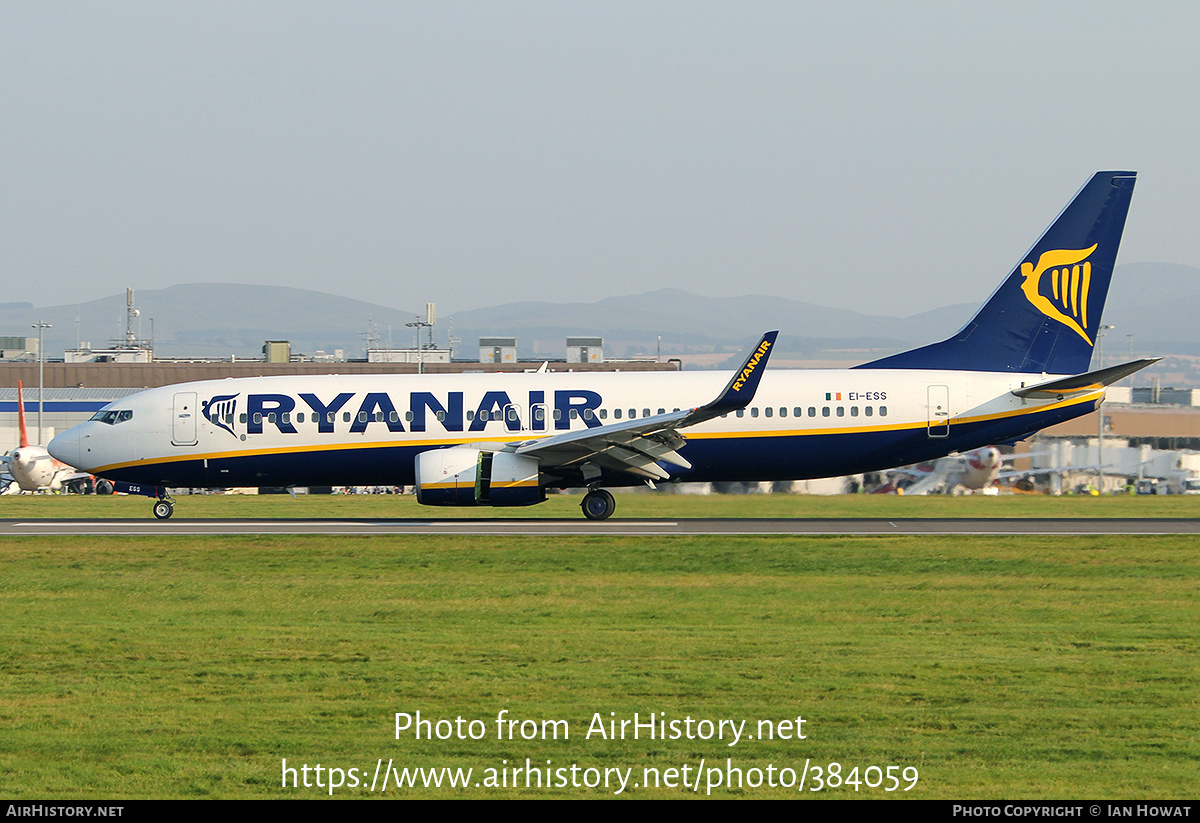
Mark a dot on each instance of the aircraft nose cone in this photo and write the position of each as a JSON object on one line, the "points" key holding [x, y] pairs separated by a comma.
{"points": [[65, 448]]}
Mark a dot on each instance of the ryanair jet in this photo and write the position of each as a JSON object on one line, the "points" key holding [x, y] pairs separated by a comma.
{"points": [[1019, 365]]}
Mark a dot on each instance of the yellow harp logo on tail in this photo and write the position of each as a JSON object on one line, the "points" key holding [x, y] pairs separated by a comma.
{"points": [[1069, 282]]}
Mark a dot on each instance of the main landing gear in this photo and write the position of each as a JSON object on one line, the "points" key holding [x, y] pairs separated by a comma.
{"points": [[598, 504], [164, 507]]}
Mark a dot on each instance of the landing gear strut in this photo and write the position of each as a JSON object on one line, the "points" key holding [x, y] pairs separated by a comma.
{"points": [[598, 504], [164, 507]]}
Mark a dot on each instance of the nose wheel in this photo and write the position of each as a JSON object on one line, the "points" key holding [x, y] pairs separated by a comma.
{"points": [[164, 509], [598, 504]]}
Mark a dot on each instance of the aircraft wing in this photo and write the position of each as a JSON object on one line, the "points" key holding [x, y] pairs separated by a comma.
{"points": [[637, 446], [929, 484], [72, 475], [947, 473]]}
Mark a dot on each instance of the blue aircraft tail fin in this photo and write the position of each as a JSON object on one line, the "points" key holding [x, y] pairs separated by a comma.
{"points": [[1045, 315]]}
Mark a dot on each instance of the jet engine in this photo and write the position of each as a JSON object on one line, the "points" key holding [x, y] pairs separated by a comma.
{"points": [[467, 476]]}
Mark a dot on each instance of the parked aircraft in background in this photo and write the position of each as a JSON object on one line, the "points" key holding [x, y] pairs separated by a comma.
{"points": [[503, 440], [975, 470], [30, 466]]}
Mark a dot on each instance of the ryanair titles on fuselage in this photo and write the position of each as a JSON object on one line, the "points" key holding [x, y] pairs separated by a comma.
{"points": [[412, 413]]}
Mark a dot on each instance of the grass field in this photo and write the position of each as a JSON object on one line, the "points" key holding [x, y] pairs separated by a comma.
{"points": [[996, 667], [629, 505]]}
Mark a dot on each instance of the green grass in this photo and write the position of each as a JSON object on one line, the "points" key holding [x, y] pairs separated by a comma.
{"points": [[629, 505], [998, 667]]}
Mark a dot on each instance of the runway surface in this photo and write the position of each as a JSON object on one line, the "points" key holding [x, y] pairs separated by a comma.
{"points": [[614, 527]]}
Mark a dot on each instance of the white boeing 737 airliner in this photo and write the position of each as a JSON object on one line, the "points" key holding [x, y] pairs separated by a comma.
{"points": [[1020, 365]]}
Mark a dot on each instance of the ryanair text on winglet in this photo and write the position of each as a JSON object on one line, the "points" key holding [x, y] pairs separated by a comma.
{"points": [[751, 365]]}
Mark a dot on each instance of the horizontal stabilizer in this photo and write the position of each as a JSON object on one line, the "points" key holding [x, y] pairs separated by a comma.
{"points": [[1083, 383]]}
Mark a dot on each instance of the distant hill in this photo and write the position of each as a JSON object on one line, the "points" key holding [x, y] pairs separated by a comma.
{"points": [[217, 319], [1156, 303], [689, 323]]}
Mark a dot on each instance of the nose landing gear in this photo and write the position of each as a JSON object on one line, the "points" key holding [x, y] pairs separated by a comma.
{"points": [[164, 507]]}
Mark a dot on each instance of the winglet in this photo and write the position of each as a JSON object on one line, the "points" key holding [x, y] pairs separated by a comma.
{"points": [[21, 413], [740, 390]]}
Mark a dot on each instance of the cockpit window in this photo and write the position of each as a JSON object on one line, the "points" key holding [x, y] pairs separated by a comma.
{"points": [[113, 416]]}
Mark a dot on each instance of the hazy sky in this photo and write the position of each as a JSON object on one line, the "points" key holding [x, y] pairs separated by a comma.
{"points": [[889, 157]]}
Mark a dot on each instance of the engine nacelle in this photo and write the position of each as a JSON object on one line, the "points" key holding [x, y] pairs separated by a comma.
{"points": [[466, 476]]}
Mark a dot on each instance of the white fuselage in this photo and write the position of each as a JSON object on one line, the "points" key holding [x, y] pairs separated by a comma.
{"points": [[309, 430]]}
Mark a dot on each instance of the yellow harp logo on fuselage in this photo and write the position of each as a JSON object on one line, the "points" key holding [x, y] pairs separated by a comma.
{"points": [[1069, 284]]}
